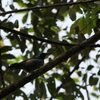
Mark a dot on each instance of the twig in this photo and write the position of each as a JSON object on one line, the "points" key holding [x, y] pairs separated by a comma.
{"points": [[76, 67], [2, 78], [94, 45], [87, 94], [1, 72], [49, 6]]}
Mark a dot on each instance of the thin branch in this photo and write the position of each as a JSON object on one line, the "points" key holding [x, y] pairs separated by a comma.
{"points": [[37, 38], [88, 97], [76, 67], [63, 57], [94, 45], [49, 6], [1, 72], [2, 78], [69, 74], [45, 40]]}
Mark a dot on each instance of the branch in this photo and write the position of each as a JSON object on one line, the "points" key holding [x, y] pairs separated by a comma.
{"points": [[94, 45], [62, 43], [63, 57], [1, 73], [87, 92], [76, 67], [37, 38], [69, 74], [49, 6]]}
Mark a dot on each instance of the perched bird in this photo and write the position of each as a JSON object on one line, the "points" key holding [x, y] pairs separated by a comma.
{"points": [[31, 64]]}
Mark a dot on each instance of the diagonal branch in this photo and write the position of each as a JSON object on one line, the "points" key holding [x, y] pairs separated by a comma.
{"points": [[76, 67], [49, 6], [63, 57]]}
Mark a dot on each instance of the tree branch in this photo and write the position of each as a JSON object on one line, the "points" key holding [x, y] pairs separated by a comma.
{"points": [[76, 67], [62, 43], [63, 57], [69, 74], [49, 6], [37, 38]]}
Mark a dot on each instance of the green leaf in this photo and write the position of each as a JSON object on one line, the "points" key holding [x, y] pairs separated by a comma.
{"points": [[16, 24], [5, 49], [20, 3], [25, 18], [95, 95]]}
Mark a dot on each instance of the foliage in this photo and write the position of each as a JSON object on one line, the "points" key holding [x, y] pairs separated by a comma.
{"points": [[60, 82]]}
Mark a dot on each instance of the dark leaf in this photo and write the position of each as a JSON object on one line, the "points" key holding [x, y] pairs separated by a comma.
{"points": [[99, 72], [5, 49], [95, 95], [7, 56], [79, 73], [85, 77], [90, 67], [25, 18], [43, 90], [16, 24], [12, 7], [51, 86], [72, 15], [93, 80]]}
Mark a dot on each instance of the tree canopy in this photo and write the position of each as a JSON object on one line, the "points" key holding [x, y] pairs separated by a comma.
{"points": [[66, 29]]}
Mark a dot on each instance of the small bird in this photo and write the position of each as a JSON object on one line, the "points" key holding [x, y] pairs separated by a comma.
{"points": [[31, 64]]}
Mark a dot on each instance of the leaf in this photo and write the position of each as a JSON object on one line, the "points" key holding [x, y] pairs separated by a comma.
{"points": [[12, 7], [51, 86], [79, 73], [20, 3], [16, 24], [95, 95], [72, 15], [5, 49], [7, 56], [93, 80], [25, 18], [43, 90], [99, 72], [85, 77], [22, 44], [90, 67]]}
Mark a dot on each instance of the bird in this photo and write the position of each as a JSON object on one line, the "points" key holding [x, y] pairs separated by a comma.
{"points": [[30, 64]]}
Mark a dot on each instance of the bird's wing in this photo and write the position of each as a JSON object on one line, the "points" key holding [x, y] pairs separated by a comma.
{"points": [[33, 64], [28, 65]]}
